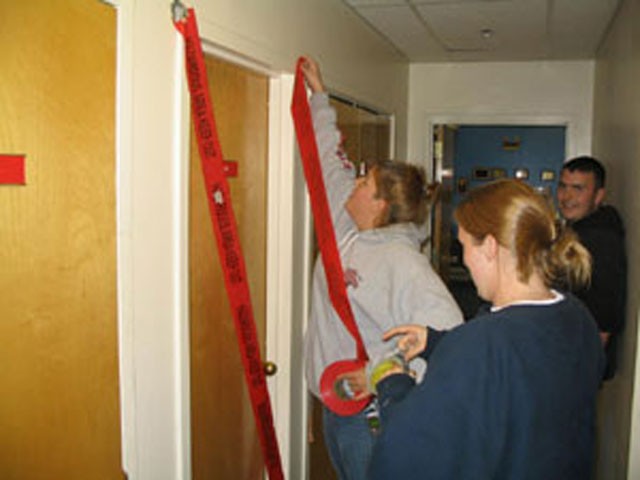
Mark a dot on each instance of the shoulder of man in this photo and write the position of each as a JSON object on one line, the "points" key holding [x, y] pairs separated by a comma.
{"points": [[604, 218]]}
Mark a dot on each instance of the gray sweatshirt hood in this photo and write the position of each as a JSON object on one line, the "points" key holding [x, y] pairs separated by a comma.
{"points": [[408, 233]]}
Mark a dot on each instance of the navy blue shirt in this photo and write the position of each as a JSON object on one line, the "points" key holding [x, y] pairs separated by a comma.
{"points": [[510, 395]]}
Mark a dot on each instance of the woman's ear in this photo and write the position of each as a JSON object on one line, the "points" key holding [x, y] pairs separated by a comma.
{"points": [[381, 208], [490, 247]]}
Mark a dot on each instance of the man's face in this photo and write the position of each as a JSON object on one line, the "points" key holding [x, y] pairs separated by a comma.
{"points": [[578, 195]]}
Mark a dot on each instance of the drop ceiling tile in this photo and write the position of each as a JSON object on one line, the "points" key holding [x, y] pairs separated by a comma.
{"points": [[450, 30], [361, 3], [459, 26], [404, 29], [576, 28]]}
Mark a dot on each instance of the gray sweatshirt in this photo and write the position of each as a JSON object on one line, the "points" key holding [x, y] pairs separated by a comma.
{"points": [[396, 284]]}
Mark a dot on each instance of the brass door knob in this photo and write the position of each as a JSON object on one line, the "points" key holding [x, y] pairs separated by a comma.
{"points": [[269, 368]]}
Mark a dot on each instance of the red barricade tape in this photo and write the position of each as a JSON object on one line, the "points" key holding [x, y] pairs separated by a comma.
{"points": [[225, 229], [325, 234]]}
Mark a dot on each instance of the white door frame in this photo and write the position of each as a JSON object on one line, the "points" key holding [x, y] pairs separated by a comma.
{"points": [[279, 259]]}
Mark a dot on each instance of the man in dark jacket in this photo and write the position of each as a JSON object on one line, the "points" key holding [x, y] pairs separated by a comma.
{"points": [[581, 193]]}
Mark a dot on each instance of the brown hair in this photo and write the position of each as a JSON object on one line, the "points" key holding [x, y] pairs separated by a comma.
{"points": [[403, 186], [523, 221]]}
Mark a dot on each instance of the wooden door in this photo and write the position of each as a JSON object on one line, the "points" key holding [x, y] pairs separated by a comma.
{"points": [[59, 403], [349, 121], [375, 132], [224, 437]]}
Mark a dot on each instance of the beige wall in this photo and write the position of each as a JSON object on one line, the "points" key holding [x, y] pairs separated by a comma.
{"points": [[615, 140], [503, 93], [152, 155], [355, 62]]}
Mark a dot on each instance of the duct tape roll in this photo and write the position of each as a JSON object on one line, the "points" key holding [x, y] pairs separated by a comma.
{"points": [[336, 393]]}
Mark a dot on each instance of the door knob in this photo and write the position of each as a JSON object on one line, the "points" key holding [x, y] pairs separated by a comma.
{"points": [[269, 368]]}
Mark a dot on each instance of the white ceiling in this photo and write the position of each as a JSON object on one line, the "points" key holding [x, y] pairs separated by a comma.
{"points": [[452, 30]]}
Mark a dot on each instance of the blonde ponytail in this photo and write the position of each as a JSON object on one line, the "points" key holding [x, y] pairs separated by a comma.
{"points": [[567, 262]]}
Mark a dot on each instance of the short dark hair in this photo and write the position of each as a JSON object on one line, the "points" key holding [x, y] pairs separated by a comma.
{"points": [[587, 164]]}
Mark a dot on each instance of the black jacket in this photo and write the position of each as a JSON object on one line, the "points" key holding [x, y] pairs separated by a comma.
{"points": [[602, 233]]}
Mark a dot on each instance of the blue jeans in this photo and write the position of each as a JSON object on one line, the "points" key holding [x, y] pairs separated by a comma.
{"points": [[349, 442]]}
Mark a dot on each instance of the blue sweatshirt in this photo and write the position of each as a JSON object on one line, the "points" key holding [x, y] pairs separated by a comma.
{"points": [[509, 395]]}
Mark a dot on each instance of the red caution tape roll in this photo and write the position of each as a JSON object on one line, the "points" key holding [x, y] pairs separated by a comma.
{"points": [[335, 394]]}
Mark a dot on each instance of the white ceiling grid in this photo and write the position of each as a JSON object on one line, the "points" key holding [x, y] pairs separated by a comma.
{"points": [[452, 30]]}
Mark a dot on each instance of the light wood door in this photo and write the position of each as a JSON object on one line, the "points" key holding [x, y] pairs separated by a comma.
{"points": [[224, 437], [375, 131], [366, 134], [349, 121], [59, 405]]}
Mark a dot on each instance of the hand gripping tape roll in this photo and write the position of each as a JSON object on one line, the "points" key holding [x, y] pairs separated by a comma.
{"points": [[333, 392]]}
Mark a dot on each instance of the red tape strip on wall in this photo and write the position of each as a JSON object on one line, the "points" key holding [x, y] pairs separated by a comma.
{"points": [[224, 226], [12, 170]]}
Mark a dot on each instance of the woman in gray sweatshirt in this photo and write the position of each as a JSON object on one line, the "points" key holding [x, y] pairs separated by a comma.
{"points": [[377, 220]]}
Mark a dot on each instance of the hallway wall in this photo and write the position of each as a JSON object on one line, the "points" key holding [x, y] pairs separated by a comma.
{"points": [[500, 93], [355, 62], [615, 140]]}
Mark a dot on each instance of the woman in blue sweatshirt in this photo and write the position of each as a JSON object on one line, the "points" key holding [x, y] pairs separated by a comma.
{"points": [[511, 394]]}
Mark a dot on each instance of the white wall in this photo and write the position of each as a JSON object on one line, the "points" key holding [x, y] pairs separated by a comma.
{"points": [[615, 138], [354, 61], [500, 93], [152, 154]]}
